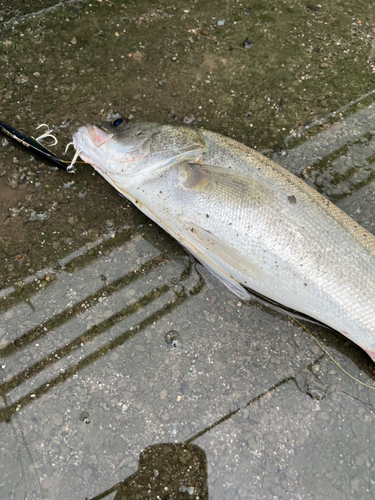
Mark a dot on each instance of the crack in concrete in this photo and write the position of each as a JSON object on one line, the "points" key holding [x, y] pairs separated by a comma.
{"points": [[232, 413], [226, 417], [28, 451]]}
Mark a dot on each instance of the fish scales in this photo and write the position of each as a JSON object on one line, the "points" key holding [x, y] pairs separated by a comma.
{"points": [[348, 234], [248, 220], [344, 248]]}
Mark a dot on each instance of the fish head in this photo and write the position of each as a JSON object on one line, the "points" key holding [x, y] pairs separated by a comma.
{"points": [[136, 148]]}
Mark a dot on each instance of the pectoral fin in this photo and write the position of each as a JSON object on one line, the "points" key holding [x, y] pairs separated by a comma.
{"points": [[224, 182], [224, 261]]}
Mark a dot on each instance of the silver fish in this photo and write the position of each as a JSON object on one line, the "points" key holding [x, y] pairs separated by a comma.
{"points": [[252, 223]]}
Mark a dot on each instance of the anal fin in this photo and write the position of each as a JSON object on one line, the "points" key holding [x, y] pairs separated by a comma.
{"points": [[224, 261]]}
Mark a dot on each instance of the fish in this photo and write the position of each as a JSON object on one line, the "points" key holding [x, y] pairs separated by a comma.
{"points": [[250, 222]]}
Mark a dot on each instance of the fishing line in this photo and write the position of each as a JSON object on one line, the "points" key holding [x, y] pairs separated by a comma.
{"points": [[328, 354], [282, 309]]}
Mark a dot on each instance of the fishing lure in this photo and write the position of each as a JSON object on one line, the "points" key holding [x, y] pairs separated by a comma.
{"points": [[35, 148]]}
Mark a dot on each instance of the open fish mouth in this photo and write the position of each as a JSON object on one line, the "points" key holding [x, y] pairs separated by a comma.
{"points": [[78, 138], [92, 138]]}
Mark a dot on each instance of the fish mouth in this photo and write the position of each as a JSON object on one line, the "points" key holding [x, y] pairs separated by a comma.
{"points": [[98, 136], [83, 137]]}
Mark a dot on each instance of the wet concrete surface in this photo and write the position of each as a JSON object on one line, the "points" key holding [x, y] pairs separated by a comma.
{"points": [[127, 370], [19, 9]]}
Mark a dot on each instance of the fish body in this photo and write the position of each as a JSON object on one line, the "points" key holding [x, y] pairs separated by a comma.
{"points": [[252, 223]]}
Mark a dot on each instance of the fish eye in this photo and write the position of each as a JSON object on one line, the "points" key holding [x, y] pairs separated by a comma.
{"points": [[117, 122]]}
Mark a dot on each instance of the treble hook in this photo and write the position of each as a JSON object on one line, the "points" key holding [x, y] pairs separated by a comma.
{"points": [[70, 168], [67, 146], [31, 145], [47, 133]]}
